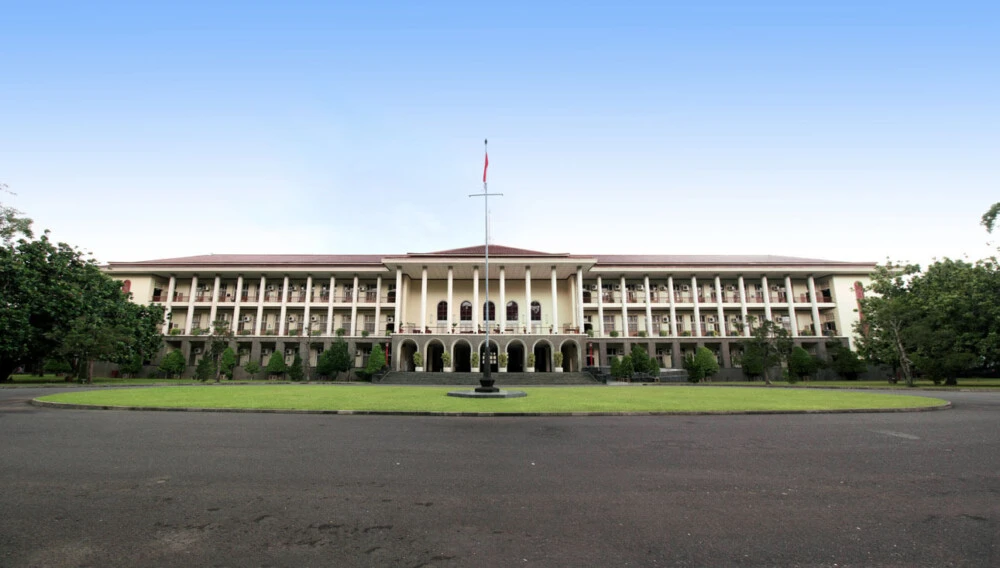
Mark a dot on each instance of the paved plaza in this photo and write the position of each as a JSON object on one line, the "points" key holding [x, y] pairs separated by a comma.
{"points": [[119, 488]]}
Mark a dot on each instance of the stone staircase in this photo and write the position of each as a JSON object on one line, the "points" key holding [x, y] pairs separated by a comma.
{"points": [[503, 380]]}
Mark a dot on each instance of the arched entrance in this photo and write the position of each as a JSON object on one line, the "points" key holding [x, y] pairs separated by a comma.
{"points": [[515, 357], [433, 363], [405, 359], [492, 359], [571, 356], [543, 357], [461, 358]]}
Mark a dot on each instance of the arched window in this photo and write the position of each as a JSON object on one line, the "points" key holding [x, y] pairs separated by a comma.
{"points": [[442, 311], [511, 311], [465, 311], [127, 286], [493, 312], [536, 311]]}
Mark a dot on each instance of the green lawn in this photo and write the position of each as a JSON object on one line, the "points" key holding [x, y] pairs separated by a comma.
{"points": [[60, 380], [921, 384], [552, 399]]}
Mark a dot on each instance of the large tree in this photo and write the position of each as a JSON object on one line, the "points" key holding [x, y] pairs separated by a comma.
{"points": [[888, 315], [767, 347]]}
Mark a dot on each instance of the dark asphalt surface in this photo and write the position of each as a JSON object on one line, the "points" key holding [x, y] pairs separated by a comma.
{"points": [[118, 488]]}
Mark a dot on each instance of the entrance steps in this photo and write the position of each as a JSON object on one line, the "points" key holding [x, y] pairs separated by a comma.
{"points": [[502, 380]]}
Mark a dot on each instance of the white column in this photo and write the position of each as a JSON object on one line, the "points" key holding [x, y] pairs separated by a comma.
{"points": [[423, 299], [555, 301], [306, 318], [743, 306], [696, 324], [399, 298], [767, 298], [527, 297], [580, 319], [649, 306], [791, 306], [378, 302], [624, 299], [169, 304], [238, 300], [354, 308], [673, 306], [258, 325], [329, 306], [600, 308], [214, 310], [815, 307], [718, 306], [451, 299], [405, 296], [502, 308], [476, 306], [284, 307], [190, 315]]}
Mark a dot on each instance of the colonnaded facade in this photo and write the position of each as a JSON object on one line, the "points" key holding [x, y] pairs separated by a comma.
{"points": [[587, 307]]}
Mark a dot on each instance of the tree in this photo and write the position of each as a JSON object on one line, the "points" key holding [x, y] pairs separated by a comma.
{"points": [[800, 364], [334, 360], [295, 372], [11, 222], [701, 365], [990, 217], [173, 364], [887, 317], [846, 363], [54, 299], [643, 363], [252, 368], [227, 363], [767, 347], [218, 342], [376, 360], [205, 369], [276, 365], [131, 368]]}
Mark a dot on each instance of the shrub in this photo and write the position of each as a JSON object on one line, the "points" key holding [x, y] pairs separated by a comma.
{"points": [[252, 368], [205, 369], [752, 361], [276, 364], [503, 359], [800, 364], [614, 333], [446, 359], [845, 362], [418, 359], [531, 360], [132, 367], [664, 333], [702, 365], [475, 361], [173, 364], [341, 332], [295, 372], [227, 362], [364, 333], [376, 360], [590, 333], [56, 367], [176, 331], [642, 333], [557, 358]]}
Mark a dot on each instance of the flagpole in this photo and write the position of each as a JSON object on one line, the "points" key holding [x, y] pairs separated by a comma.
{"points": [[486, 383]]}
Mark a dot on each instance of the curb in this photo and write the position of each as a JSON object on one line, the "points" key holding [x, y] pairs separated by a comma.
{"points": [[68, 405]]}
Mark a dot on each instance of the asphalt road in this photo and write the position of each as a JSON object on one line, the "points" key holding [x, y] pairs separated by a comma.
{"points": [[118, 488]]}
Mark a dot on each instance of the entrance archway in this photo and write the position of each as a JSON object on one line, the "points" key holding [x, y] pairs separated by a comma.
{"points": [[571, 357], [434, 362], [462, 357], [543, 357], [515, 357], [492, 359], [406, 351]]}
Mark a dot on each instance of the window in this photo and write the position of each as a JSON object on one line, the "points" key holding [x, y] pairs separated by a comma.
{"points": [[609, 324], [512, 311], [633, 325], [465, 311], [442, 311], [493, 312], [536, 311]]}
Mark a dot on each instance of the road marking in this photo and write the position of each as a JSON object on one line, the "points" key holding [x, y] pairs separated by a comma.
{"points": [[897, 434]]}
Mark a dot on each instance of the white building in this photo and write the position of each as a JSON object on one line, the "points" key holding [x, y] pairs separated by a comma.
{"points": [[588, 307]]}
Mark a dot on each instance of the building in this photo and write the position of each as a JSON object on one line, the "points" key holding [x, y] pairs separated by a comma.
{"points": [[587, 307]]}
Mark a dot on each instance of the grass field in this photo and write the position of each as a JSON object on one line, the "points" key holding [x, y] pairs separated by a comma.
{"points": [[541, 399], [920, 384]]}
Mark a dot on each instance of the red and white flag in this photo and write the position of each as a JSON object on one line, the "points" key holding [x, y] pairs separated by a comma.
{"points": [[486, 166]]}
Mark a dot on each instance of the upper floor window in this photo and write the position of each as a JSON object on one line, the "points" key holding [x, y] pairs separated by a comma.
{"points": [[512, 311], [536, 311], [492, 310], [465, 311], [442, 311]]}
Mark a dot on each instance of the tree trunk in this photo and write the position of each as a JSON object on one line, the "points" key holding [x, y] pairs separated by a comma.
{"points": [[90, 372], [951, 382]]}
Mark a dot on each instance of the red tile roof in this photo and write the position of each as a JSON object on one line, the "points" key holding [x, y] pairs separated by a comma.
{"points": [[480, 250], [244, 259]]}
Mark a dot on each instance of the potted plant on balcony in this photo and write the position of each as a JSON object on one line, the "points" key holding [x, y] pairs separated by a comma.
{"points": [[614, 333], [341, 332], [446, 361], [557, 359], [418, 362], [502, 360], [474, 362], [531, 363]]}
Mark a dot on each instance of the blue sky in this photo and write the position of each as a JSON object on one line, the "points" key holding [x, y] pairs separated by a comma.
{"points": [[848, 130]]}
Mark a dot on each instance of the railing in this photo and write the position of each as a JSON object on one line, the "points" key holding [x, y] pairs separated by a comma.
{"points": [[296, 297]]}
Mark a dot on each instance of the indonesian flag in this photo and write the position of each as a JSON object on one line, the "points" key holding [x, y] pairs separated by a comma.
{"points": [[486, 166]]}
